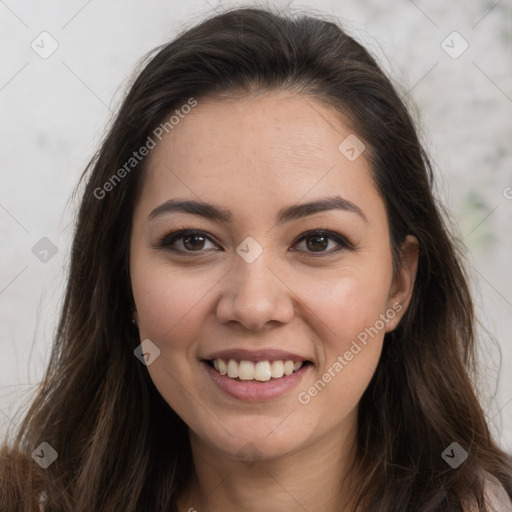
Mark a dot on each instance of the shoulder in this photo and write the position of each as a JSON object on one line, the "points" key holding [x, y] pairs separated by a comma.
{"points": [[21, 484], [496, 497]]}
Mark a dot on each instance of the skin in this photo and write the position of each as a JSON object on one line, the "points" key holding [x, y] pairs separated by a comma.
{"points": [[254, 156]]}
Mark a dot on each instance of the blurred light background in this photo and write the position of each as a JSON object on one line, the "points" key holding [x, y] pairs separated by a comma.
{"points": [[66, 66]]}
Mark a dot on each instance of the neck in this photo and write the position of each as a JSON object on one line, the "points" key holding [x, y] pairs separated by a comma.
{"points": [[314, 477]]}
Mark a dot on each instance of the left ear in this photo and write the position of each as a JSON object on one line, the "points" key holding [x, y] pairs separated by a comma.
{"points": [[403, 282]]}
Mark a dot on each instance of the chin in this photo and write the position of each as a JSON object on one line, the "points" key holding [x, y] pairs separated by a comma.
{"points": [[255, 441]]}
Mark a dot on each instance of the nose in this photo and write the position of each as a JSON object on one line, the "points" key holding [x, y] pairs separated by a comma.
{"points": [[255, 295]]}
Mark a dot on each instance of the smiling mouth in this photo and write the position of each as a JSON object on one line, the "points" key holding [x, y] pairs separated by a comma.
{"points": [[262, 371]]}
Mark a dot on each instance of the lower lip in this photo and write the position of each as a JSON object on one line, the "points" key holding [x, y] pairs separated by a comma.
{"points": [[255, 390]]}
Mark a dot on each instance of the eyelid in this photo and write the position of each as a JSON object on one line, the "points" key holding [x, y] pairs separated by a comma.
{"points": [[176, 233]]}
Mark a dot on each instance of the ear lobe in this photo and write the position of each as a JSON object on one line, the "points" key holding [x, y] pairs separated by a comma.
{"points": [[402, 286]]}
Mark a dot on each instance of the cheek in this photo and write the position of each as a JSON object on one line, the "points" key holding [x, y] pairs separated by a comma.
{"points": [[351, 346], [167, 302], [350, 308], [345, 305], [171, 308]]}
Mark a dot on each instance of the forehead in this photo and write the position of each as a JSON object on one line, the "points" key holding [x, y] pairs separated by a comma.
{"points": [[254, 152]]}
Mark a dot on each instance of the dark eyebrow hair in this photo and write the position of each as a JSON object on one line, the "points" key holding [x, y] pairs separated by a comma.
{"points": [[287, 214]]}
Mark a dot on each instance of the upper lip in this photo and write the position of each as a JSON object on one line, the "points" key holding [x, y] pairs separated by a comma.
{"points": [[239, 354]]}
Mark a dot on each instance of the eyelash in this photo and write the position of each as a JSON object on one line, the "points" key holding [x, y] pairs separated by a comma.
{"points": [[167, 240]]}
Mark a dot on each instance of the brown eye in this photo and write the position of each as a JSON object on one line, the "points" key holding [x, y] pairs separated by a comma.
{"points": [[318, 241], [191, 241]]}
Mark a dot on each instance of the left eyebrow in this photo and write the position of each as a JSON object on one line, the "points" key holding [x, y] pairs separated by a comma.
{"points": [[287, 214], [301, 210]]}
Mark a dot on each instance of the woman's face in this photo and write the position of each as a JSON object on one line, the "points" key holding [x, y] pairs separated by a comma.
{"points": [[249, 287]]}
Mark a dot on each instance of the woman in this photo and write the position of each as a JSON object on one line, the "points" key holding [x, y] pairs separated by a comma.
{"points": [[265, 309]]}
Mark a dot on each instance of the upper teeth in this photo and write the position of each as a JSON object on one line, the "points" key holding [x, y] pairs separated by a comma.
{"points": [[261, 370]]}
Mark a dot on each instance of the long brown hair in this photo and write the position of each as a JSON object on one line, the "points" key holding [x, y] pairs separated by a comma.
{"points": [[120, 446]]}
